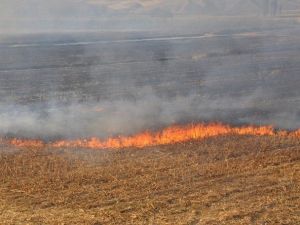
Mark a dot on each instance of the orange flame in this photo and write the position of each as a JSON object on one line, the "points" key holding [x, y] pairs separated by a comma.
{"points": [[173, 134], [22, 143], [169, 135]]}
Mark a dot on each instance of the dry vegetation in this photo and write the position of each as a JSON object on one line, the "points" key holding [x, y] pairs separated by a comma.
{"points": [[222, 180]]}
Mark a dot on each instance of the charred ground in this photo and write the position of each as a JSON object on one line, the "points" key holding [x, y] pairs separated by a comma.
{"points": [[64, 86], [221, 180]]}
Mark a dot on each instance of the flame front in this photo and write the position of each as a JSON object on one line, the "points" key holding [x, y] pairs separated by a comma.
{"points": [[169, 135]]}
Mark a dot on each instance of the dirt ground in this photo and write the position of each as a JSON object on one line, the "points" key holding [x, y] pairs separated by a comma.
{"points": [[221, 180]]}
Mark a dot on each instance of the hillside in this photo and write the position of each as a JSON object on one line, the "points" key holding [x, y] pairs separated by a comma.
{"points": [[98, 8], [200, 7]]}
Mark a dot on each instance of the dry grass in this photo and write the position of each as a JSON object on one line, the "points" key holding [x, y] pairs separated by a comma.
{"points": [[223, 180]]}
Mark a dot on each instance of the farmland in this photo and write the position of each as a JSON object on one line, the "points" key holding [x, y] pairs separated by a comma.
{"points": [[221, 180]]}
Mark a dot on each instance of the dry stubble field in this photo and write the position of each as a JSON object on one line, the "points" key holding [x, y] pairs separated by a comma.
{"points": [[221, 180]]}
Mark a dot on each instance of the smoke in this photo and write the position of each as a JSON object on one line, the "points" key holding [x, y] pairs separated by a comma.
{"points": [[38, 16], [125, 117], [183, 63]]}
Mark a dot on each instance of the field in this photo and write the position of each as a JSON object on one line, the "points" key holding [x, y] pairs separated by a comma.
{"points": [[74, 86], [220, 180]]}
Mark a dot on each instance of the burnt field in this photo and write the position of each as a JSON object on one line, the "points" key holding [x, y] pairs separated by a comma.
{"points": [[220, 180], [130, 82], [114, 66]]}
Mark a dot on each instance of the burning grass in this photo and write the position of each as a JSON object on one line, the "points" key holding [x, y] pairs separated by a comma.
{"points": [[229, 179], [169, 135]]}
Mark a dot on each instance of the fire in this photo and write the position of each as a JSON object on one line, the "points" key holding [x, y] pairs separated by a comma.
{"points": [[169, 135], [26, 143]]}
